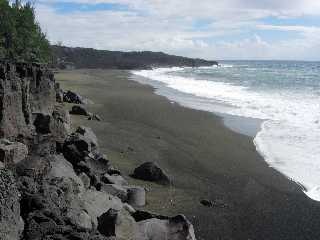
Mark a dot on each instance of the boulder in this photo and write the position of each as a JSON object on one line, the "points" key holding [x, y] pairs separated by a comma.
{"points": [[72, 97], [115, 190], [61, 168], [80, 219], [42, 123], [107, 223], [113, 179], [76, 148], [213, 203], [143, 215], [117, 223], [97, 202], [129, 208], [11, 153], [176, 228], [113, 171], [89, 135], [79, 110], [150, 171], [85, 180], [95, 117]]}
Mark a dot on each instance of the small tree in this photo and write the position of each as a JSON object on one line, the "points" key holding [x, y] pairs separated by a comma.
{"points": [[20, 35]]}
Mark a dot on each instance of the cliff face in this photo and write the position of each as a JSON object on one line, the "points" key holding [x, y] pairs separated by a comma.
{"points": [[59, 186], [25, 89]]}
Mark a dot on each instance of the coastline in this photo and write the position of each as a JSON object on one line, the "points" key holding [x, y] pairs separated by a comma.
{"points": [[206, 159]]}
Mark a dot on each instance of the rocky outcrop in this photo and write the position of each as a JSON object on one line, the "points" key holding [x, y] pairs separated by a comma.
{"points": [[11, 224], [24, 89], [150, 171], [11, 153], [57, 185]]}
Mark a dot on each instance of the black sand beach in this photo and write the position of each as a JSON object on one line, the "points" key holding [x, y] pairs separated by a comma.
{"points": [[205, 159]]}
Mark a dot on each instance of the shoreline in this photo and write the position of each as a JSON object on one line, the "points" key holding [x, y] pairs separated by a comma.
{"points": [[250, 190], [240, 124]]}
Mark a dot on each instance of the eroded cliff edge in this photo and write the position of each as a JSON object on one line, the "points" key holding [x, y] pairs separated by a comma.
{"points": [[56, 184]]}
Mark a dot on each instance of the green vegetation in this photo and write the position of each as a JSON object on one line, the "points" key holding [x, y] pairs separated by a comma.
{"points": [[21, 37]]}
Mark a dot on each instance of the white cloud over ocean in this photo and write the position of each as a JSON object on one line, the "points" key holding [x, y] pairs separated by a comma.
{"points": [[224, 29]]}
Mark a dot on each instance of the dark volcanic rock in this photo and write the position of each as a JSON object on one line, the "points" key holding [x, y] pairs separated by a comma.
{"points": [[107, 222], [207, 203], [143, 215], [150, 171], [88, 134], [79, 110], [72, 97], [215, 203], [94, 117], [42, 123]]}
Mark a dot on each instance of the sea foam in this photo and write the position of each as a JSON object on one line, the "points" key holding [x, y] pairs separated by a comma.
{"points": [[289, 139]]}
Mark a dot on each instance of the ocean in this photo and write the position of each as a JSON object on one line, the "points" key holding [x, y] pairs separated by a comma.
{"points": [[284, 95]]}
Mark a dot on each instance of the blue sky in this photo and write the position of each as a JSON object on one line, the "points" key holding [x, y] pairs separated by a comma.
{"points": [[224, 29]]}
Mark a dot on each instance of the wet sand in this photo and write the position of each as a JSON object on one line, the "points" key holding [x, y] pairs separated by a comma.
{"points": [[205, 159]]}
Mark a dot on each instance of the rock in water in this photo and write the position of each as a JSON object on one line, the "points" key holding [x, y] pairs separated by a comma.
{"points": [[150, 171], [11, 224], [79, 110]]}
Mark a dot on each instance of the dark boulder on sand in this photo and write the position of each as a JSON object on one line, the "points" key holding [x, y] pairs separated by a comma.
{"points": [[143, 215], [79, 110], [94, 117], [72, 97], [150, 171]]}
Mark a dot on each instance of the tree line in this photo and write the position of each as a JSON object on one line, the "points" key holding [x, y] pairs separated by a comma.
{"points": [[21, 37]]}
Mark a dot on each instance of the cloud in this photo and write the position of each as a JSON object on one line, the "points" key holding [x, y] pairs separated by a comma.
{"points": [[224, 29]]}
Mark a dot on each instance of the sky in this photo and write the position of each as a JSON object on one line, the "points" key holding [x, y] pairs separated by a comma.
{"points": [[210, 29]]}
